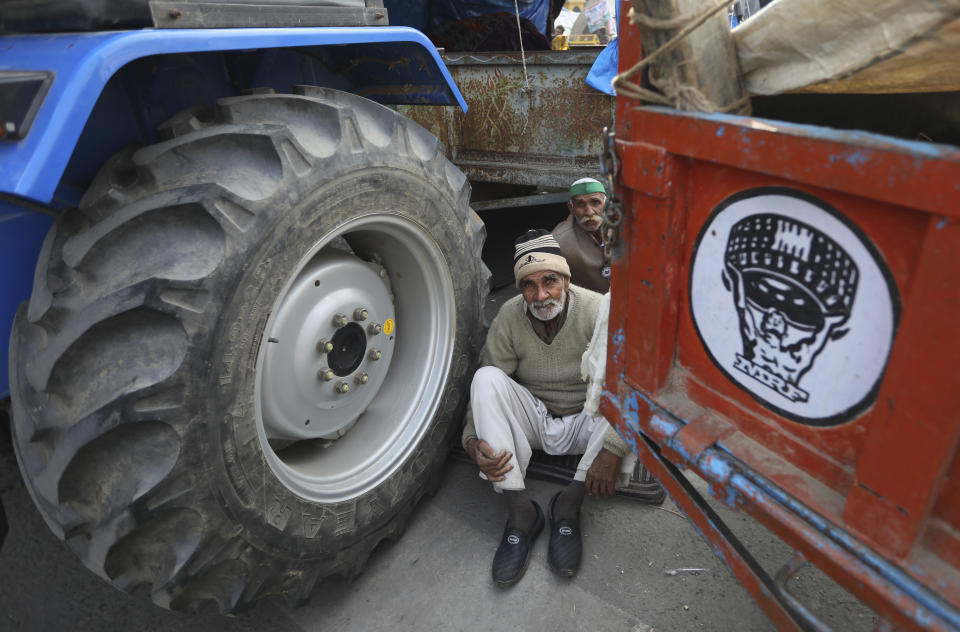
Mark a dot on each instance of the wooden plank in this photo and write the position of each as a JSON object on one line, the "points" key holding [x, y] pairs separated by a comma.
{"points": [[705, 60]]}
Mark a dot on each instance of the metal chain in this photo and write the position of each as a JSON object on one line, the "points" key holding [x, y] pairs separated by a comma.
{"points": [[612, 208]]}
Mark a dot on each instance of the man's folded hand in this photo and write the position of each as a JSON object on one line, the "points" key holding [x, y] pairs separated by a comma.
{"points": [[603, 473], [494, 465]]}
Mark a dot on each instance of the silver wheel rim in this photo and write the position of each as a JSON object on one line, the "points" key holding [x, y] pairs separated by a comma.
{"points": [[334, 423]]}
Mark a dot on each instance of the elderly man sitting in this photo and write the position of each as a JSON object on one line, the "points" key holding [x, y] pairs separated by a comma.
{"points": [[581, 235], [529, 395]]}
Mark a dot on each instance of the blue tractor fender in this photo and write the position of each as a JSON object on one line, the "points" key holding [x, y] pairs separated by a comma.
{"points": [[109, 90], [410, 71]]}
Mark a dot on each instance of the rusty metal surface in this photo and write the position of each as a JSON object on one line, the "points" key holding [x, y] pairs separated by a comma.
{"points": [[543, 128], [517, 202]]}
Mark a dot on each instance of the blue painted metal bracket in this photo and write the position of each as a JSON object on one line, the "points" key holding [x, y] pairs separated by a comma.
{"points": [[84, 62]]}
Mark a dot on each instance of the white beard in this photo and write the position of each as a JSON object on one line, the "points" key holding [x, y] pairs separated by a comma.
{"points": [[548, 309]]}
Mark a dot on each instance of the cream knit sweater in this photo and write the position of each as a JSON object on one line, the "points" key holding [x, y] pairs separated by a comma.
{"points": [[550, 372]]}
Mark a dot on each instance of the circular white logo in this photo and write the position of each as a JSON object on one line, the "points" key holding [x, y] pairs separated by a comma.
{"points": [[794, 304], [566, 531], [512, 539]]}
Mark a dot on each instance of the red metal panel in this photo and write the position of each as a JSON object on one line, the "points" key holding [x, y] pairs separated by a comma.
{"points": [[657, 243], [882, 470], [916, 175], [897, 488], [948, 507]]}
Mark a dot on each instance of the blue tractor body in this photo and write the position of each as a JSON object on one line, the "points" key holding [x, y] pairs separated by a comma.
{"points": [[69, 101]]}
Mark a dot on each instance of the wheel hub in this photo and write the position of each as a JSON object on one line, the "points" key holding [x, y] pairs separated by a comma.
{"points": [[312, 342], [349, 347], [373, 272]]}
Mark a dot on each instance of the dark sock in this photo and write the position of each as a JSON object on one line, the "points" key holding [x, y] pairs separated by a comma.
{"points": [[521, 513], [568, 503]]}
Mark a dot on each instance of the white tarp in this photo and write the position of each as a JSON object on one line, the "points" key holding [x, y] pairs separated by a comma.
{"points": [[865, 46], [593, 363]]}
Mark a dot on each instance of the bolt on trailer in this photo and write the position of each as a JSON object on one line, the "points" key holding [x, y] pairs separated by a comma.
{"points": [[784, 289], [255, 289]]}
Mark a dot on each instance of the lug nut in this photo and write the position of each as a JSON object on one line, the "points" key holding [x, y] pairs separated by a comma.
{"points": [[339, 320], [362, 378], [375, 354], [374, 328], [341, 387], [360, 314], [324, 346], [325, 374]]}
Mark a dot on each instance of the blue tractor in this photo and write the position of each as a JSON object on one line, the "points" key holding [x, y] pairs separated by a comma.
{"points": [[243, 294]]}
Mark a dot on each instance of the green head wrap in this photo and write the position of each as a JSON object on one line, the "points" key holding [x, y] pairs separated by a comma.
{"points": [[586, 185]]}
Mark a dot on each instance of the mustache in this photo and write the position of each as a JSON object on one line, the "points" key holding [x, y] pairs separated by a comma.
{"points": [[550, 302], [546, 310]]}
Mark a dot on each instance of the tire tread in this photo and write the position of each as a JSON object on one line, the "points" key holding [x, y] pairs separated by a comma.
{"points": [[105, 442]]}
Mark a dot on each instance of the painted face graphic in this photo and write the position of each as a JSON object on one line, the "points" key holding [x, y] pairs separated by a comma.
{"points": [[806, 313], [793, 287]]}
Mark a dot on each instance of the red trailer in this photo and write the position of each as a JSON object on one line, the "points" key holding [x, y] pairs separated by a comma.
{"points": [[782, 323]]}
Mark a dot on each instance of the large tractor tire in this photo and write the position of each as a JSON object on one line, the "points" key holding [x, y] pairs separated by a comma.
{"points": [[247, 349]]}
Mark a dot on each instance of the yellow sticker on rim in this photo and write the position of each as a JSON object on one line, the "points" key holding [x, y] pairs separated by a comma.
{"points": [[388, 326]]}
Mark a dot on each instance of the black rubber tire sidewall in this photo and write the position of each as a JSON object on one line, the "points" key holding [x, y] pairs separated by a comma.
{"points": [[314, 529], [161, 479]]}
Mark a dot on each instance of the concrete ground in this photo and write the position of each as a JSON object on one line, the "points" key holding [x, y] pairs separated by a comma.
{"points": [[437, 577]]}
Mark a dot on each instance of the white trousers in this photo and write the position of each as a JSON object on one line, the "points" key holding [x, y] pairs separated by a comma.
{"points": [[509, 417]]}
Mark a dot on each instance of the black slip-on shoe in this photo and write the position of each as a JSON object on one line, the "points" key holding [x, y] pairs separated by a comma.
{"points": [[513, 554], [566, 547]]}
